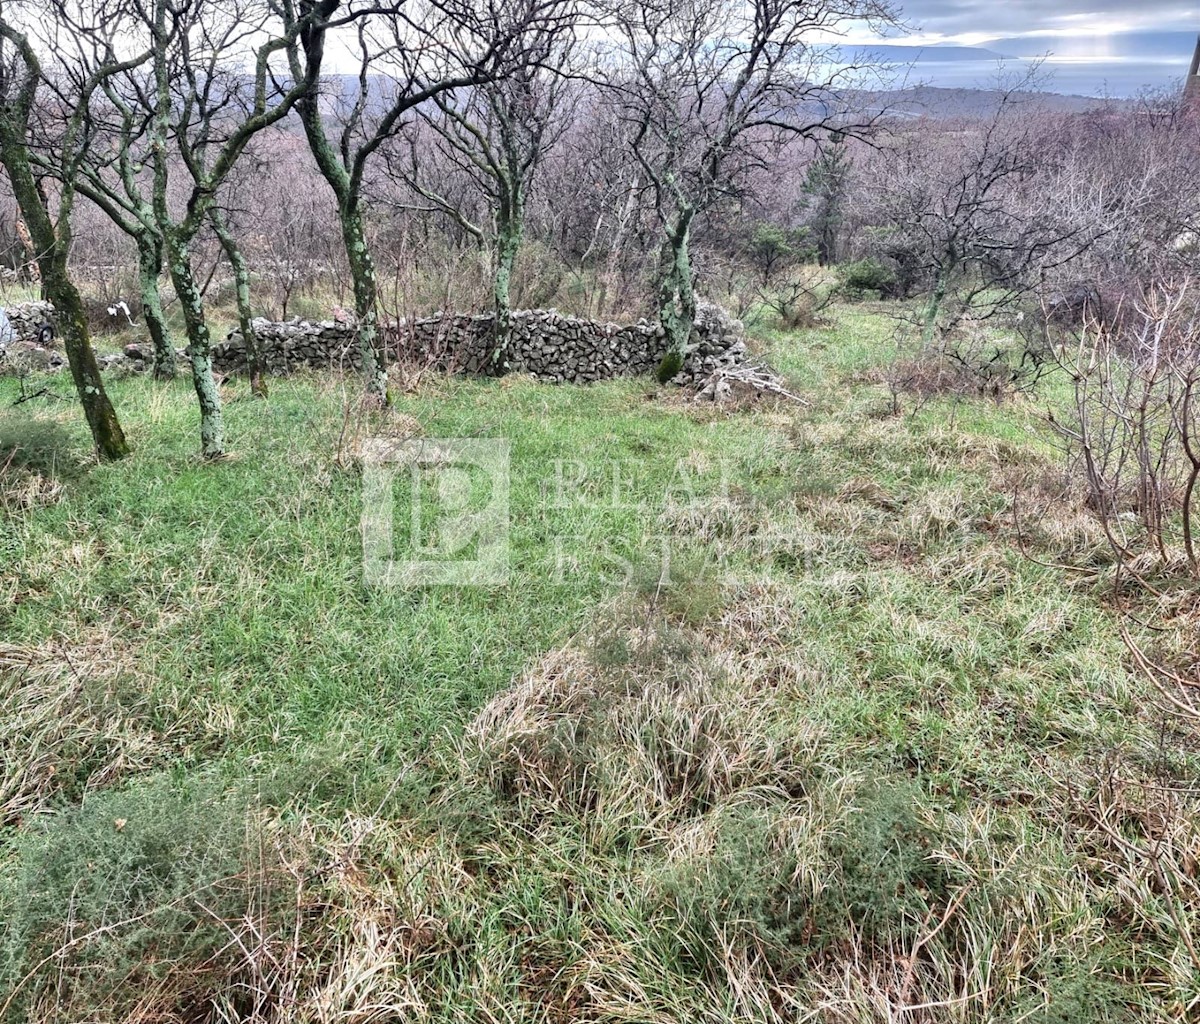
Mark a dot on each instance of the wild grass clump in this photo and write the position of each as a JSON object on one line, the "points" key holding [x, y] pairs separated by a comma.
{"points": [[65, 731], [800, 877], [22, 489], [39, 445], [640, 730]]}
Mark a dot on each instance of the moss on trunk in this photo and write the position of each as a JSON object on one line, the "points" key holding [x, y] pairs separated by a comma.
{"points": [[52, 251], [366, 308], [508, 245], [676, 296], [255, 360], [199, 350], [150, 250]]}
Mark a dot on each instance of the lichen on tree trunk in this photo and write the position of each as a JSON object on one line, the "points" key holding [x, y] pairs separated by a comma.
{"points": [[676, 297], [199, 350], [366, 298], [150, 251], [358, 255], [102, 418], [508, 245], [52, 251], [255, 360], [933, 307]]}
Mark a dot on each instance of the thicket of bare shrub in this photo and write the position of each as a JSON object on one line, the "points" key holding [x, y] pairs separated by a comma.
{"points": [[1131, 435]]}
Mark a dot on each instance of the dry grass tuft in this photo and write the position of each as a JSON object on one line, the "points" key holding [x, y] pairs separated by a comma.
{"points": [[22, 490], [62, 729], [644, 728]]}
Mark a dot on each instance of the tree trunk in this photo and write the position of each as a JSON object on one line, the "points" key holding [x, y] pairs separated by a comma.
{"points": [[102, 418], [508, 245], [358, 255], [150, 251], [934, 307], [199, 350], [107, 434], [826, 236], [676, 297], [255, 361], [366, 297]]}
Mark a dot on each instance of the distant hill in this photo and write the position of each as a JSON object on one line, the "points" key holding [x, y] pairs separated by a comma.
{"points": [[933, 101], [341, 92], [937, 54]]}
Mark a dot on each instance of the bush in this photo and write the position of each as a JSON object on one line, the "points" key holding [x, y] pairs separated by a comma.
{"points": [[770, 248], [136, 891], [868, 279], [887, 879], [798, 305], [801, 877]]}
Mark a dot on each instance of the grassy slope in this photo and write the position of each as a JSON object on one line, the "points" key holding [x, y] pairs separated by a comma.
{"points": [[858, 754]]}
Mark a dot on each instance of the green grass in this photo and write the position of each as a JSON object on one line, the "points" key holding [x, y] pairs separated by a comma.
{"points": [[854, 753]]}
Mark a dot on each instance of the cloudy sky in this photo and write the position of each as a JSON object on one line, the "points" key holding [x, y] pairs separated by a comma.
{"points": [[1091, 46]]}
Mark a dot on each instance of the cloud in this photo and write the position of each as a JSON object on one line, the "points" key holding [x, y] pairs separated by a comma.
{"points": [[1111, 47], [1089, 17]]}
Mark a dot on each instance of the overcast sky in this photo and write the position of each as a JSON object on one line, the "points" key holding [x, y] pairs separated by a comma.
{"points": [[1093, 46]]}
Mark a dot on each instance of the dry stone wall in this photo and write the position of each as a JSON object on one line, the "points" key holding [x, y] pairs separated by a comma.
{"points": [[28, 319], [543, 343]]}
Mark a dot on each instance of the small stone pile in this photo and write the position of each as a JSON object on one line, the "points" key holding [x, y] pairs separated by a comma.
{"points": [[29, 318], [31, 345], [543, 343]]}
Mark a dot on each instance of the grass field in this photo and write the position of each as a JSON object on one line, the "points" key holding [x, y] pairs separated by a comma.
{"points": [[855, 754]]}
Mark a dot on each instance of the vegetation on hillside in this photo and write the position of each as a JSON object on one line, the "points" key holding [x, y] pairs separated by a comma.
{"points": [[860, 687], [869, 743]]}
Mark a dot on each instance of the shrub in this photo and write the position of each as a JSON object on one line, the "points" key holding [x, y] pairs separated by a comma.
{"points": [[806, 876], [771, 247], [135, 897], [887, 879], [868, 279], [798, 304]]}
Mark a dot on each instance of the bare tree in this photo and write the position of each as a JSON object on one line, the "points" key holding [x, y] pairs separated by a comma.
{"points": [[109, 174], [497, 136], [710, 90], [20, 78], [587, 210], [1132, 177], [255, 360], [205, 110], [971, 212], [410, 54], [287, 218]]}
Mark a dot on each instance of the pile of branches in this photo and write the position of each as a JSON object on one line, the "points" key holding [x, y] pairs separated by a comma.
{"points": [[743, 381]]}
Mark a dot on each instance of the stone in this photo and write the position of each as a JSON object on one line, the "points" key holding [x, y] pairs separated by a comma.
{"points": [[24, 356]]}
